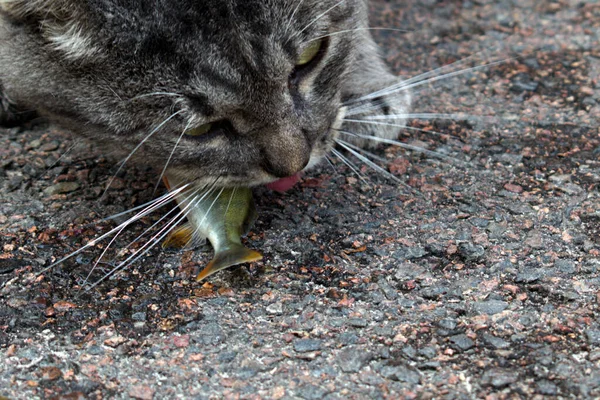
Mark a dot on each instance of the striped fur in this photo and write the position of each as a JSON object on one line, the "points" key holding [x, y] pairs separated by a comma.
{"points": [[115, 70]]}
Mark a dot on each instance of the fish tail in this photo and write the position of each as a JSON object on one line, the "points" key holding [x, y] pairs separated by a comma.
{"points": [[179, 237], [234, 255]]}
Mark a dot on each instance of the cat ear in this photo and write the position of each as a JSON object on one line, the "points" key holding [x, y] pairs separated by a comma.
{"points": [[60, 22], [24, 9]]}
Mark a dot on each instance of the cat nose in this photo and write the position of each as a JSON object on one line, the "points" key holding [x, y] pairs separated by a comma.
{"points": [[282, 167], [285, 155]]}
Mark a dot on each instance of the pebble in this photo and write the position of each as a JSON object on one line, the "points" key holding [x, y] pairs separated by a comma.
{"points": [[462, 341], [565, 266], [593, 337], [470, 251], [307, 345], [61, 188], [352, 358], [547, 388], [401, 373], [499, 378], [529, 276], [495, 342], [357, 322], [275, 309], [490, 307]]}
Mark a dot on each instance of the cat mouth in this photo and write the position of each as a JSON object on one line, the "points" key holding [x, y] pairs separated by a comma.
{"points": [[284, 184]]}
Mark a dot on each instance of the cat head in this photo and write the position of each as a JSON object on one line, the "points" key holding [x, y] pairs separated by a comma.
{"points": [[238, 91]]}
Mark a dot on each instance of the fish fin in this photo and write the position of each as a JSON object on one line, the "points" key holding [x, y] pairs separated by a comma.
{"points": [[180, 237], [166, 182], [234, 255]]}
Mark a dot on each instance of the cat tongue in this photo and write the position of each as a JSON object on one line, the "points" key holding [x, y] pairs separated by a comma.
{"points": [[284, 184]]}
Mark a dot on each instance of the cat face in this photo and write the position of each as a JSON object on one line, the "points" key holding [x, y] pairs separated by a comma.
{"points": [[234, 91]]}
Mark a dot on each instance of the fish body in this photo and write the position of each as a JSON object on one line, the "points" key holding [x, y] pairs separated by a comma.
{"points": [[222, 216]]}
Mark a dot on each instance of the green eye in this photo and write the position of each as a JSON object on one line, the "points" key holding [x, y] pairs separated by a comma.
{"points": [[200, 130], [310, 53]]}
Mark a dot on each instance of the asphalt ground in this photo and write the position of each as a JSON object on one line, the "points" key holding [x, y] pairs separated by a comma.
{"points": [[480, 281]]}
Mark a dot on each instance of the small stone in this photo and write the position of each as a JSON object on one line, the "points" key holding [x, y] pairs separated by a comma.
{"points": [[565, 266], [352, 359], [142, 392], [470, 251], [593, 337], [490, 307], [275, 309], [498, 378], [546, 387], [51, 146], [428, 352], [534, 239], [495, 342], [312, 392], [61, 187], [462, 342], [401, 373], [307, 345], [357, 322], [529, 276], [347, 338], [95, 350], [447, 323]]}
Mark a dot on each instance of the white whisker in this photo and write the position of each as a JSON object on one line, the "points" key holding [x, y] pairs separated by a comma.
{"points": [[371, 164], [357, 29], [154, 240], [405, 146], [289, 23], [318, 18], [171, 156], [154, 205], [138, 147], [411, 83], [349, 164], [135, 240]]}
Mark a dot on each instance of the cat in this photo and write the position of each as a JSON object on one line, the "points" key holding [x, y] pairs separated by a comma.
{"points": [[224, 92]]}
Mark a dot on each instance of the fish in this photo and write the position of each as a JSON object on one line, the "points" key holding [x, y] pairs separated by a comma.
{"points": [[222, 217]]}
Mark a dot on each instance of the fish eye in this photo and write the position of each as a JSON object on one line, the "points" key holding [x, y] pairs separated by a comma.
{"points": [[200, 130], [310, 53]]}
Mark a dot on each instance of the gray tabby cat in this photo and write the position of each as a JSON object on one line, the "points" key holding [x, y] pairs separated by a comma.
{"points": [[243, 92]]}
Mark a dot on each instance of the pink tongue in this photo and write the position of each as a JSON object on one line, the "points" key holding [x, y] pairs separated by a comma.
{"points": [[284, 184]]}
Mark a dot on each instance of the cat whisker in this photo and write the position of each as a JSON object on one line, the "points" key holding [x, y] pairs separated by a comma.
{"points": [[357, 29], [151, 207], [289, 23], [411, 83], [171, 156], [122, 164], [157, 238], [314, 21], [405, 146], [453, 117], [335, 171], [154, 94], [353, 167], [356, 151], [135, 240]]}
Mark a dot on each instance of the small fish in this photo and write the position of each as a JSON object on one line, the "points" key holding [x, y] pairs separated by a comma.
{"points": [[222, 217]]}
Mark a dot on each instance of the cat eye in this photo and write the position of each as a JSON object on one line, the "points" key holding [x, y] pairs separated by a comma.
{"points": [[308, 60], [200, 130], [310, 53]]}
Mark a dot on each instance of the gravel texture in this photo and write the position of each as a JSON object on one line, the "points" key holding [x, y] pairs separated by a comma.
{"points": [[481, 282]]}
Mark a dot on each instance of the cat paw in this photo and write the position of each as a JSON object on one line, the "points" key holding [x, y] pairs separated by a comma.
{"points": [[10, 114]]}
